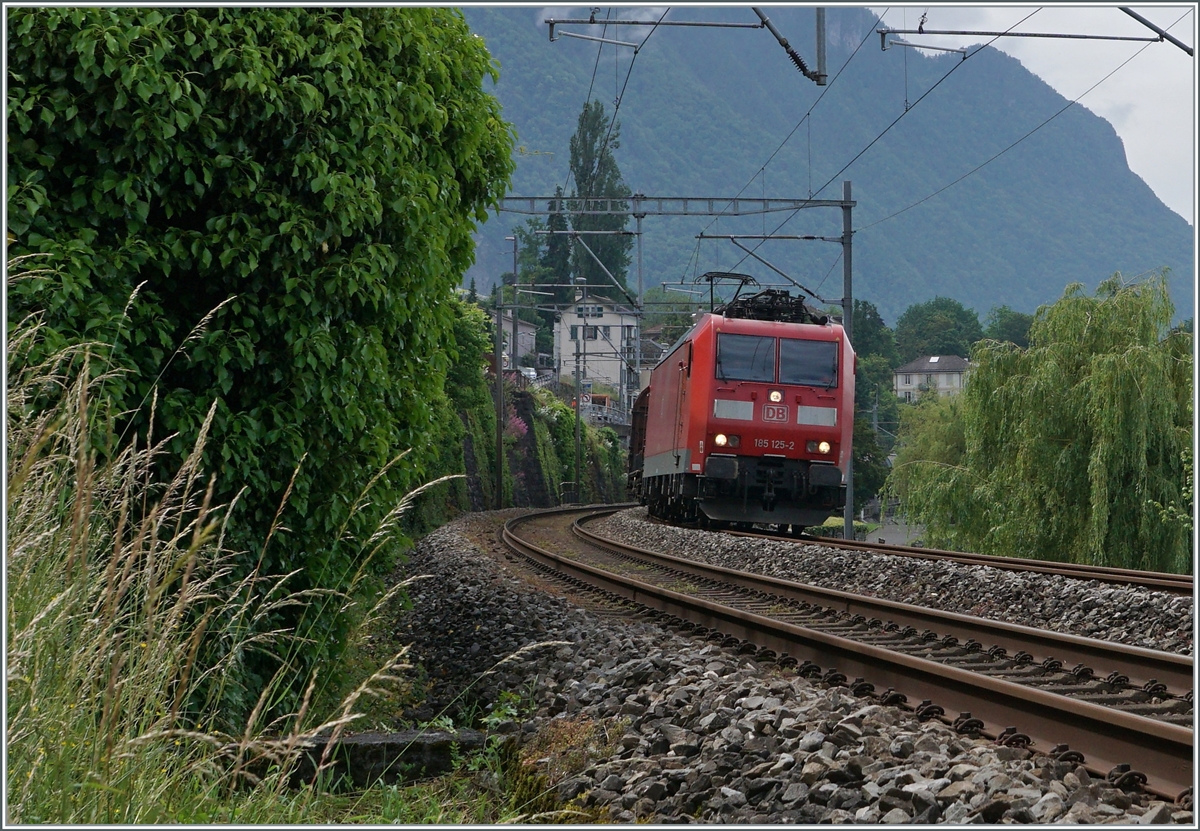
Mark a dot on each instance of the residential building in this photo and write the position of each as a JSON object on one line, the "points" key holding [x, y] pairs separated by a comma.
{"points": [[526, 337], [606, 334], [943, 374]]}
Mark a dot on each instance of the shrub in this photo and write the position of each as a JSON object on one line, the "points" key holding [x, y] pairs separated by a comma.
{"points": [[307, 182], [117, 582]]}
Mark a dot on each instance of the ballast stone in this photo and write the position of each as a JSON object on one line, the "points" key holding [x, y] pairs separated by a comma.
{"points": [[802, 753]]}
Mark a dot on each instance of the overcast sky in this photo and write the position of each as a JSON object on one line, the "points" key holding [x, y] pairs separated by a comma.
{"points": [[1150, 102]]}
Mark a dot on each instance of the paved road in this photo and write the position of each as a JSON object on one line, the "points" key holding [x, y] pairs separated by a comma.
{"points": [[896, 532]]}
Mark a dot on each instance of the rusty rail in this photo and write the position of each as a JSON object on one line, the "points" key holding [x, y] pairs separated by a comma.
{"points": [[1105, 737], [1158, 580], [1137, 664]]}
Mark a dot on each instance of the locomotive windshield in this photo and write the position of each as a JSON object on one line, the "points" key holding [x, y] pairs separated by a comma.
{"points": [[745, 358], [809, 362]]}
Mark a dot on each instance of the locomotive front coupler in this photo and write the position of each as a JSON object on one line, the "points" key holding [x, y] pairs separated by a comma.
{"points": [[768, 497]]}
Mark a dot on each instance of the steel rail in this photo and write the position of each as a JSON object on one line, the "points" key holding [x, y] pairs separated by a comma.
{"points": [[1139, 665], [1106, 737], [1156, 580]]}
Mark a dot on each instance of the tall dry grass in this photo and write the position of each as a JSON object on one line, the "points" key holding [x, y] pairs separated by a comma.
{"points": [[120, 591]]}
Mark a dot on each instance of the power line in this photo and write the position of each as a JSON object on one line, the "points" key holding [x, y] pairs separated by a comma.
{"points": [[800, 123], [1022, 138], [591, 85], [873, 141], [617, 104], [953, 69], [831, 268]]}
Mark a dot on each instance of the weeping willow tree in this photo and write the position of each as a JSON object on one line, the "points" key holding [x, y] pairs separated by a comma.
{"points": [[1077, 448]]}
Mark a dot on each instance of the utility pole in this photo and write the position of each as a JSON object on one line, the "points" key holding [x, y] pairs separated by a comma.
{"points": [[582, 337], [512, 345], [641, 306], [822, 77], [499, 399], [848, 326]]}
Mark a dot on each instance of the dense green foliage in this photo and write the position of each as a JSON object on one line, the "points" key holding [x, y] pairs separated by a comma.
{"points": [[872, 337], [108, 568], [875, 398], [941, 326], [705, 109], [594, 168], [306, 183], [870, 462], [1004, 324], [1084, 474], [932, 442]]}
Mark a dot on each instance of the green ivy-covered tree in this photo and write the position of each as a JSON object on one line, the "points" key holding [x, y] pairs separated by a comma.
{"points": [[1071, 448], [314, 176]]}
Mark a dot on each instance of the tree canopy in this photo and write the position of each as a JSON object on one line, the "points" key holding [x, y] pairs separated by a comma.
{"points": [[941, 326], [303, 181], [1005, 324], [875, 399], [596, 174], [1072, 448]]}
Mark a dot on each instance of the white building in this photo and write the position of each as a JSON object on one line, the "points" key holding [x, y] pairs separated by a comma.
{"points": [[606, 334], [940, 374], [526, 337]]}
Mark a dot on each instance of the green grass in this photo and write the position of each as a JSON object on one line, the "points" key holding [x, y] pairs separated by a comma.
{"points": [[124, 621]]}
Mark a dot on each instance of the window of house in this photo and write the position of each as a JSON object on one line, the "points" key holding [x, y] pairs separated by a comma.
{"points": [[908, 395], [931, 380], [590, 333], [907, 378], [574, 333], [607, 331]]}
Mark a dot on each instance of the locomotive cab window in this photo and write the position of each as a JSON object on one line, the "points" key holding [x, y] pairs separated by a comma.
{"points": [[745, 358], [811, 363]]}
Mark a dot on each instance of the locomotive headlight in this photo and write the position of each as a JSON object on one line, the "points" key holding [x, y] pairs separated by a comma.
{"points": [[818, 447], [776, 396], [720, 440], [823, 447]]}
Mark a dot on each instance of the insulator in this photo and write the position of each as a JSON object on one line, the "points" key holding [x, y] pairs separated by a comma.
{"points": [[798, 61]]}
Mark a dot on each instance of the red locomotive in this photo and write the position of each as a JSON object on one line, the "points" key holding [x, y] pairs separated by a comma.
{"points": [[748, 418]]}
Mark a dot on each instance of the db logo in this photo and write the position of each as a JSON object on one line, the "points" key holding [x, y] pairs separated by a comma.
{"points": [[775, 412]]}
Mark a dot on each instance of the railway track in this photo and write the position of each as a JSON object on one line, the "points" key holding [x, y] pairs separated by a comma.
{"points": [[1123, 712], [1182, 584]]}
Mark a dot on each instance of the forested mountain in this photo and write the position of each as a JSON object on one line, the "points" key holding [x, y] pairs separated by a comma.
{"points": [[705, 109]]}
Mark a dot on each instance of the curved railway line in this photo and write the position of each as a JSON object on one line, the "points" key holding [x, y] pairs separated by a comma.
{"points": [[1125, 713], [1157, 580]]}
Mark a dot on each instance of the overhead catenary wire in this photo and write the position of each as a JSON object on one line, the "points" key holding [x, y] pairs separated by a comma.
{"points": [[837, 260], [984, 164], [924, 95], [588, 100], [621, 97], [799, 124], [887, 129]]}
